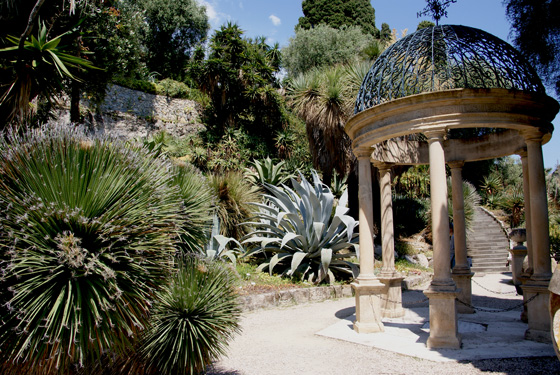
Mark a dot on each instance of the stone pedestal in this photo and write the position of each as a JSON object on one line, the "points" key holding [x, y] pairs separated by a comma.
{"points": [[518, 254], [537, 311], [368, 305], [391, 301], [444, 330], [464, 291]]}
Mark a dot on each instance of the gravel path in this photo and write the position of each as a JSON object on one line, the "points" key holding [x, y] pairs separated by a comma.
{"points": [[282, 341]]}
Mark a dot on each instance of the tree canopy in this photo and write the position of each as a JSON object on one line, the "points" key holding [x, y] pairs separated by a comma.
{"points": [[175, 28], [535, 26], [323, 46], [338, 13]]}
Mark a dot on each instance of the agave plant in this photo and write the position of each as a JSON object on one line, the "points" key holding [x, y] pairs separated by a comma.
{"points": [[87, 234], [192, 320], [300, 233], [267, 172]]}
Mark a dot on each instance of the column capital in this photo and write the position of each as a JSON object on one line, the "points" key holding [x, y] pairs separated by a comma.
{"points": [[435, 135], [456, 164], [522, 152], [382, 166], [362, 152], [532, 135]]}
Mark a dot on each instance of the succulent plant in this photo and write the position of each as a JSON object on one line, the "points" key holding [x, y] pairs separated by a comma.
{"points": [[301, 235]]}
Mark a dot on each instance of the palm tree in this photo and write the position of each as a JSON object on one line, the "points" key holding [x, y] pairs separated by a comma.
{"points": [[320, 98]]}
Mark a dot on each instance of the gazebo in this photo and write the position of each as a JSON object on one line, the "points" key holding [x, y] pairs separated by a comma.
{"points": [[448, 95]]}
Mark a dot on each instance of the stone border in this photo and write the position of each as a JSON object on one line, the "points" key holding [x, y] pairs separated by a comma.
{"points": [[298, 296]]}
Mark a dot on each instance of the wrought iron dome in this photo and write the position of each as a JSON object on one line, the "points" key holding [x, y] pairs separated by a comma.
{"points": [[442, 58]]}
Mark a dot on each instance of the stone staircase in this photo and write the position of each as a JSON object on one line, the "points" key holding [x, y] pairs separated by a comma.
{"points": [[487, 244]]}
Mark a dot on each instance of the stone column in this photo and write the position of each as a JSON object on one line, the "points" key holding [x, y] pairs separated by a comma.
{"points": [[537, 286], [392, 303], [367, 287], [461, 273], [442, 291], [527, 205]]}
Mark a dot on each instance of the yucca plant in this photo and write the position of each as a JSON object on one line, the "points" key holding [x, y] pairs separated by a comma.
{"points": [[300, 234], [267, 172], [233, 202], [87, 234], [198, 200], [193, 319]]}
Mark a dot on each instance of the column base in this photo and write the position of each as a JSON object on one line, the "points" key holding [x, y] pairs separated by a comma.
{"points": [[538, 317], [368, 305], [391, 301], [444, 333], [464, 286]]}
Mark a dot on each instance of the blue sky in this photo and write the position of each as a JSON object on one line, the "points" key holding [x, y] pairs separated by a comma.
{"points": [[276, 21]]}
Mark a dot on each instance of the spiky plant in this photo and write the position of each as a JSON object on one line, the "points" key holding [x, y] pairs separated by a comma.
{"points": [[233, 202], [87, 233], [301, 236], [198, 200], [193, 319], [267, 172]]}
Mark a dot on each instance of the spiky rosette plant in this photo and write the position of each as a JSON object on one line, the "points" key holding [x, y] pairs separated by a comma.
{"points": [[303, 233], [198, 200], [193, 319], [87, 232]]}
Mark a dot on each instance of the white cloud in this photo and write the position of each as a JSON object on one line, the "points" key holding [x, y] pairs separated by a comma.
{"points": [[210, 11], [275, 20]]}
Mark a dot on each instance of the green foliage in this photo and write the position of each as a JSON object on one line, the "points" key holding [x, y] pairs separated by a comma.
{"points": [[267, 172], [299, 232], [239, 77], [87, 232], [324, 100], [471, 200], [174, 29], [409, 215], [193, 319], [166, 87], [198, 199], [425, 24], [234, 197], [413, 183], [535, 26], [338, 14], [324, 46], [36, 70], [404, 248]]}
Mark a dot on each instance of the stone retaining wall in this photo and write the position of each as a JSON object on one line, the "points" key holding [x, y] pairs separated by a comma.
{"points": [[130, 114]]}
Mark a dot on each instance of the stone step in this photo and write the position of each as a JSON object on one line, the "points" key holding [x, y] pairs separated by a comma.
{"points": [[490, 269]]}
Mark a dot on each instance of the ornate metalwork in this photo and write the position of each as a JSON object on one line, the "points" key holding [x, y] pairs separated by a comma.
{"points": [[442, 58]]}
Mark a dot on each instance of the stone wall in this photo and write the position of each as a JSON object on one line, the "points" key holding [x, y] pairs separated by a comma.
{"points": [[128, 114]]}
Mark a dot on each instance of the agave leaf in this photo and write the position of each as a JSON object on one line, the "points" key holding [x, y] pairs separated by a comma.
{"points": [[223, 241], [342, 207], [263, 266], [276, 259], [211, 254], [289, 237], [297, 258], [231, 255]]}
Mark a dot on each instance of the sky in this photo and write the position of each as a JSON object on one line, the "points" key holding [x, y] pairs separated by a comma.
{"points": [[276, 19]]}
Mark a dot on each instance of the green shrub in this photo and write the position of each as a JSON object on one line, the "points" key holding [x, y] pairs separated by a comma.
{"points": [[193, 319], [409, 215], [299, 232], [198, 200], [87, 231], [234, 197]]}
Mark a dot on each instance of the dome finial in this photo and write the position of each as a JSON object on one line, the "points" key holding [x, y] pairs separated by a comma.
{"points": [[436, 8]]}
